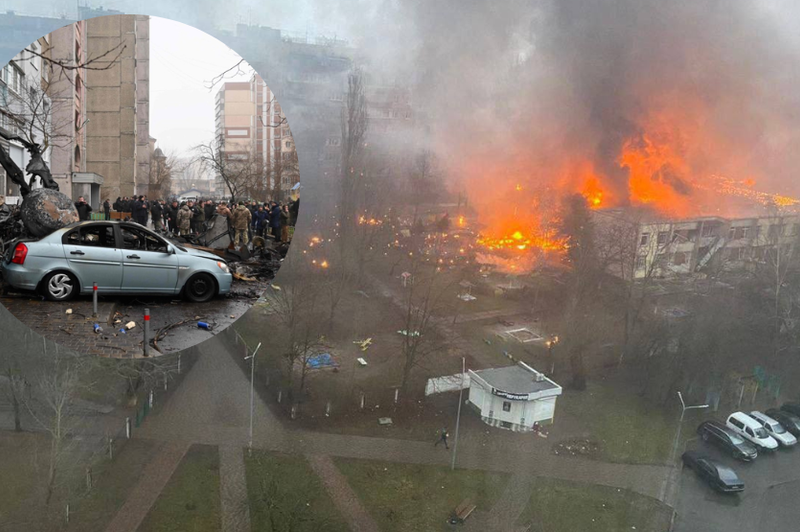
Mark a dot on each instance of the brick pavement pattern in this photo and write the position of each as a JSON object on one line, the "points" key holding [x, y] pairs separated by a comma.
{"points": [[144, 494], [342, 494], [233, 489]]}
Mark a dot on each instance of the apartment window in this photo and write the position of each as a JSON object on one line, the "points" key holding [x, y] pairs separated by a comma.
{"points": [[734, 254], [776, 230], [288, 144], [709, 230], [644, 239], [641, 262], [662, 237], [679, 259]]}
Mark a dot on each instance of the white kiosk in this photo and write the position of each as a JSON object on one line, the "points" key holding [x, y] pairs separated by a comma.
{"points": [[514, 397]]}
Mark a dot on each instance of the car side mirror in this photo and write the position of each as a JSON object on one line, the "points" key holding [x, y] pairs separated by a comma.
{"points": [[170, 250]]}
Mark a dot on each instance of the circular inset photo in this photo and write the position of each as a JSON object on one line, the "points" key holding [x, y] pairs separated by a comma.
{"points": [[150, 186]]}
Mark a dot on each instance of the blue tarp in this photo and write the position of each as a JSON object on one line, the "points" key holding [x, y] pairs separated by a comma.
{"points": [[319, 361]]}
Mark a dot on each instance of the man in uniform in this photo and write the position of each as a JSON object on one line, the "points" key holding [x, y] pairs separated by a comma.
{"points": [[185, 220], [241, 222]]}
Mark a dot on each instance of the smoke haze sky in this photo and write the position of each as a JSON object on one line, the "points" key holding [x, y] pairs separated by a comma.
{"points": [[529, 88]]}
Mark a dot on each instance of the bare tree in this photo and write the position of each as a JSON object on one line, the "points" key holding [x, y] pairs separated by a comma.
{"points": [[424, 297], [354, 124], [237, 171], [161, 172]]}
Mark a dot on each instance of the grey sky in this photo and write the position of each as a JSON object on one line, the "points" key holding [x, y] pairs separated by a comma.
{"points": [[182, 61]]}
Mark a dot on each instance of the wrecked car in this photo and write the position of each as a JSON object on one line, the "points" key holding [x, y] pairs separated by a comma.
{"points": [[121, 257]]}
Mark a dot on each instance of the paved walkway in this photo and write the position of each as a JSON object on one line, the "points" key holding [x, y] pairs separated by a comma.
{"points": [[152, 482], [212, 407], [342, 494]]}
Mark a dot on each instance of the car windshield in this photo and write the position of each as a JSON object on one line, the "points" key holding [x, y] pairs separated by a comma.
{"points": [[777, 428], [735, 438], [761, 433]]}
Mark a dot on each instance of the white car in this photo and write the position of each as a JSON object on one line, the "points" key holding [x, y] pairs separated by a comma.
{"points": [[751, 430], [775, 429]]}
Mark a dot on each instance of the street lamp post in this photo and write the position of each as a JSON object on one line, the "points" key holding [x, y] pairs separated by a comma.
{"points": [[458, 416], [673, 455], [252, 359]]}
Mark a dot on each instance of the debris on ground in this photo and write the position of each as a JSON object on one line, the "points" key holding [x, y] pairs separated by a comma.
{"points": [[577, 447], [130, 325]]}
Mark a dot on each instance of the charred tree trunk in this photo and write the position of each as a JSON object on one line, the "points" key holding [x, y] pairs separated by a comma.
{"points": [[13, 171]]}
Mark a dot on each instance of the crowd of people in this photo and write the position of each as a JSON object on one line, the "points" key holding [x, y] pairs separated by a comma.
{"points": [[245, 219]]}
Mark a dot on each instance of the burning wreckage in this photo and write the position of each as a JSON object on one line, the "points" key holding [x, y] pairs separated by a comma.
{"points": [[253, 266]]}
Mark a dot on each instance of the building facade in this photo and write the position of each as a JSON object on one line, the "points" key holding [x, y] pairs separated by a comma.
{"points": [[117, 104], [25, 109], [705, 245], [251, 130], [68, 93]]}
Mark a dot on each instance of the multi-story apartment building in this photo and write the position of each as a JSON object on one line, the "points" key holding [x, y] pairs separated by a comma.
{"points": [[68, 93], [674, 248], [251, 130], [25, 109], [117, 131]]}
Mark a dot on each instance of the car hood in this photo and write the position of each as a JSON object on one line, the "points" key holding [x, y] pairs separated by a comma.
{"points": [[203, 254]]}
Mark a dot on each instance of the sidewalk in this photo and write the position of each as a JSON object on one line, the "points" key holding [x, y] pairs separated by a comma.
{"points": [[152, 482], [342, 494]]}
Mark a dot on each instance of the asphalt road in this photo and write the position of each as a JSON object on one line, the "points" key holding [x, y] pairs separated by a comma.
{"points": [[769, 501]]}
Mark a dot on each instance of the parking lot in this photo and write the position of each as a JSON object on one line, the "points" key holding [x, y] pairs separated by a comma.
{"points": [[769, 500]]}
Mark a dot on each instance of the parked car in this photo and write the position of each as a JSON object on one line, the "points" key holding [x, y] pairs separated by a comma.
{"points": [[792, 408], [716, 433], [789, 421], [774, 429], [751, 430], [121, 257], [718, 476]]}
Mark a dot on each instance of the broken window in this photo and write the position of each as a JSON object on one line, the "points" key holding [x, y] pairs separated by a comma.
{"points": [[645, 239]]}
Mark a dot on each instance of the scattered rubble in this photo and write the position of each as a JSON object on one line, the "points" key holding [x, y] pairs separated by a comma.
{"points": [[577, 447]]}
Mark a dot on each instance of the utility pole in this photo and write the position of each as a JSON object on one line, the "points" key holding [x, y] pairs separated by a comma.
{"points": [[252, 359], [674, 453], [458, 416]]}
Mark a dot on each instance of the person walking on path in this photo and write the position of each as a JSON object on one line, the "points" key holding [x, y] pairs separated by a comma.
{"points": [[442, 438]]}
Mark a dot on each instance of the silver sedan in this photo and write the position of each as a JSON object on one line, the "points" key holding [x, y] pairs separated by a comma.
{"points": [[121, 257]]}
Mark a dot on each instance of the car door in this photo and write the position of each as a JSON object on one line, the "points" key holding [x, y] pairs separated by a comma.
{"points": [[148, 263], [92, 253]]}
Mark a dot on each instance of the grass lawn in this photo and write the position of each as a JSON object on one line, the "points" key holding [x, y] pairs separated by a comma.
{"points": [[406, 497], [628, 428], [190, 500], [22, 475], [114, 480], [286, 494], [562, 506]]}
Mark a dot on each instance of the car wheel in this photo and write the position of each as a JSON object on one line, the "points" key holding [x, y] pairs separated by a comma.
{"points": [[60, 286], [200, 288]]}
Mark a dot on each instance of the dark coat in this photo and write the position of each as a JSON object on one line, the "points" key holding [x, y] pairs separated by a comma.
{"points": [[294, 210], [209, 209], [198, 214], [275, 217], [117, 204], [260, 219], [156, 210], [83, 210], [107, 208]]}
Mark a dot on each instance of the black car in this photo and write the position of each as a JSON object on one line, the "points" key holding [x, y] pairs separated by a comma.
{"points": [[792, 408], [718, 434], [790, 421], [718, 476]]}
